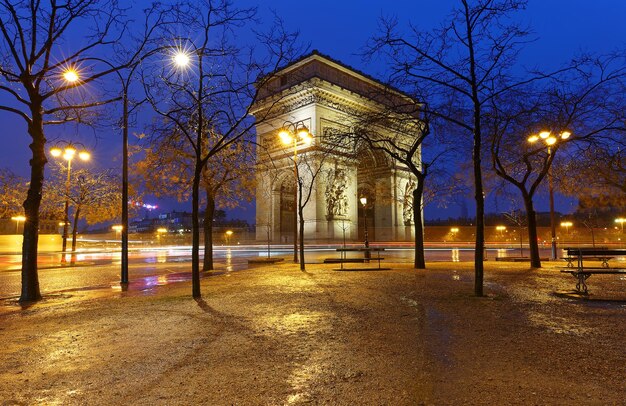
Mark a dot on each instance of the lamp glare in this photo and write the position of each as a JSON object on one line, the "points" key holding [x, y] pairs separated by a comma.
{"points": [[181, 59], [285, 136], [70, 75]]}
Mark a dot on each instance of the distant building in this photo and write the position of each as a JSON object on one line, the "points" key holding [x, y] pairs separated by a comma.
{"points": [[178, 222], [46, 226]]}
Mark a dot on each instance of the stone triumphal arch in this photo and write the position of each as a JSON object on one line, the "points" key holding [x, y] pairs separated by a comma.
{"points": [[329, 99]]}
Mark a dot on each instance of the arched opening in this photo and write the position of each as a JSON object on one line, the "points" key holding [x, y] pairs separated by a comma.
{"points": [[287, 220], [372, 167]]}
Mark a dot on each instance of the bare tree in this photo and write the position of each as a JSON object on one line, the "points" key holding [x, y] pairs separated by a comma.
{"points": [[403, 147], [309, 167], [581, 107], [167, 165], [211, 87], [33, 70], [456, 70]]}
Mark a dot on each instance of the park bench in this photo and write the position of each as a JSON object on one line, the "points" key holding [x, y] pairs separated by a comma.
{"points": [[582, 273], [366, 257], [571, 255]]}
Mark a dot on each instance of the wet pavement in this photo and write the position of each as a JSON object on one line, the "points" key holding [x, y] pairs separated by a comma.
{"points": [[152, 266], [275, 335]]}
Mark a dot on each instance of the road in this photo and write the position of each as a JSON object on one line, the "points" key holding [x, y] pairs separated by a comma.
{"points": [[149, 267]]}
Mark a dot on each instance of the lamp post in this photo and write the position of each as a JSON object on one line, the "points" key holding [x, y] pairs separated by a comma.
{"points": [[549, 140], [501, 230], [17, 220], [68, 152], [229, 234], [363, 201], [160, 231], [567, 225], [72, 75], [289, 135], [117, 228]]}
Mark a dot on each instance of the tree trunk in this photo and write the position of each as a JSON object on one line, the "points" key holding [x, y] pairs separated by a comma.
{"points": [[301, 216], [74, 232], [479, 249], [30, 279], [207, 265], [533, 245], [195, 233], [420, 258]]}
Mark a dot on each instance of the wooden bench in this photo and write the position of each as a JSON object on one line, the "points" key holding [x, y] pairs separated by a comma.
{"points": [[366, 258], [572, 255], [582, 273]]}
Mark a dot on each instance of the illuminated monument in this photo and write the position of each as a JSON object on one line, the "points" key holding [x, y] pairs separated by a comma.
{"points": [[329, 99]]}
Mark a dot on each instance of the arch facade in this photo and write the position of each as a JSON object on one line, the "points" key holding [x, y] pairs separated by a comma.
{"points": [[327, 97]]}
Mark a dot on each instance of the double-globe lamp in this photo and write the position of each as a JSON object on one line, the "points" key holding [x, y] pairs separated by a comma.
{"points": [[289, 134], [549, 140], [68, 153]]}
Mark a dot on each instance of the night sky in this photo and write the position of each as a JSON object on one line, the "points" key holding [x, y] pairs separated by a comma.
{"points": [[341, 28]]}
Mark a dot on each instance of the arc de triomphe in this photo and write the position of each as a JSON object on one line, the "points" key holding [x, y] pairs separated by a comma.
{"points": [[326, 96]]}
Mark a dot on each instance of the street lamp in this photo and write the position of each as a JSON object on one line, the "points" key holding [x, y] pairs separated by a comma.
{"points": [[567, 225], [160, 231], [501, 229], [17, 220], [549, 140], [363, 201], [117, 228], [290, 133], [67, 152], [621, 221], [72, 75], [229, 234]]}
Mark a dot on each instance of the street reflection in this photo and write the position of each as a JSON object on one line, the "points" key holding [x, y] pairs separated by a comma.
{"points": [[455, 255], [229, 260], [501, 253]]}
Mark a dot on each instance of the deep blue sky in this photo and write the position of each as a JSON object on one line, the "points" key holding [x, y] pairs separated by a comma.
{"points": [[341, 28]]}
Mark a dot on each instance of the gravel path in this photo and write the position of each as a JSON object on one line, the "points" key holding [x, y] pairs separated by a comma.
{"points": [[275, 336]]}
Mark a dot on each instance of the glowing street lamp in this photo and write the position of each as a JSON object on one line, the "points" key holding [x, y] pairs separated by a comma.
{"points": [[181, 59], [567, 225], [160, 231], [229, 234], [501, 229], [549, 140], [17, 220], [118, 229], [290, 134], [71, 75], [621, 221], [68, 153]]}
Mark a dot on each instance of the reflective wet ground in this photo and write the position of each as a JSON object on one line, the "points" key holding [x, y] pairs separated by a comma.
{"points": [[276, 336], [156, 266]]}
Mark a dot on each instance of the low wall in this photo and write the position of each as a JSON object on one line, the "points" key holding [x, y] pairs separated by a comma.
{"points": [[47, 243]]}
